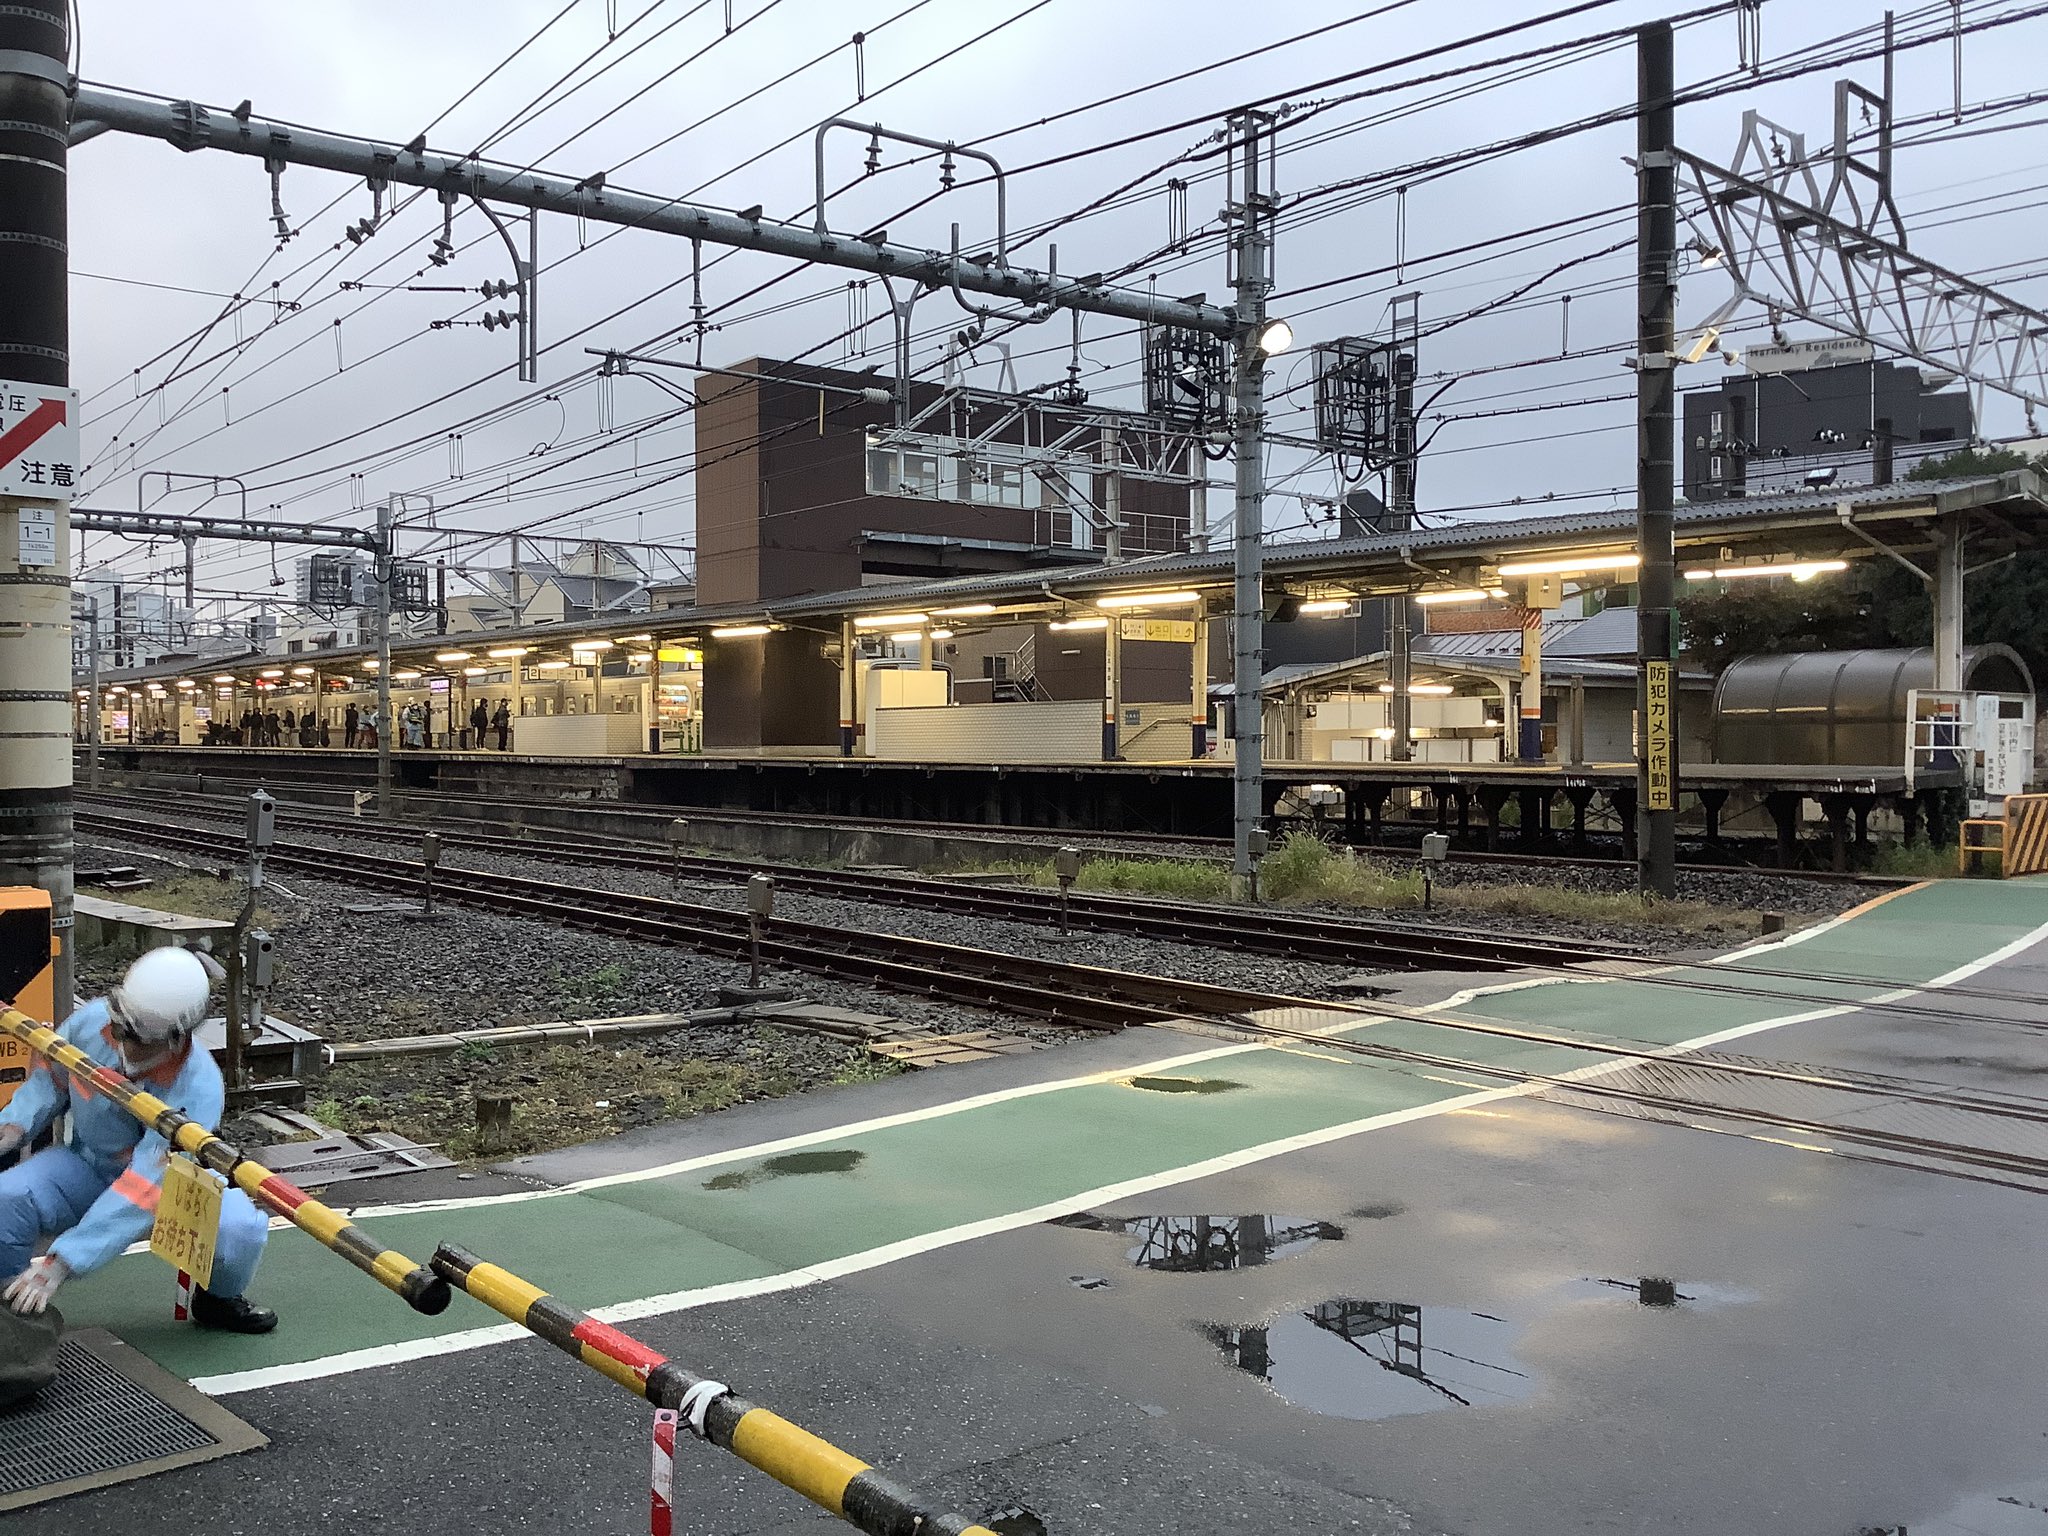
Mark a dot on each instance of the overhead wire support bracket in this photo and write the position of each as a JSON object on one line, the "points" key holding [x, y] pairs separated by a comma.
{"points": [[126, 112]]}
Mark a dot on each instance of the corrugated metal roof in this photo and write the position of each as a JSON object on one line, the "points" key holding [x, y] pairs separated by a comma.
{"points": [[1609, 633]]}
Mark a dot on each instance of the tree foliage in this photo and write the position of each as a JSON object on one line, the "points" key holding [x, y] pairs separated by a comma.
{"points": [[1875, 602]]}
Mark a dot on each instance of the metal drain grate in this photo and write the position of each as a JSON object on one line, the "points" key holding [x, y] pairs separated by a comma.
{"points": [[111, 1415]]}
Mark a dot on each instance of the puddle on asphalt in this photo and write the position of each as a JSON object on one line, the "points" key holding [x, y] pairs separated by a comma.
{"points": [[1351, 1359], [1193, 1245], [1182, 1084], [790, 1165], [2021, 1511]]}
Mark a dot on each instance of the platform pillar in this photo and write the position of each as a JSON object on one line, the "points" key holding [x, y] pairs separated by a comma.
{"points": [[1624, 802], [1948, 602], [1784, 808], [1580, 798], [1836, 809], [1711, 801], [849, 665], [1112, 687], [1198, 708], [1490, 801]]}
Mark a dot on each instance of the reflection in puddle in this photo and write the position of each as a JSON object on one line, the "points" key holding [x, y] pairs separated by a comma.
{"points": [[790, 1165], [1379, 1359], [1194, 1245], [1652, 1291]]}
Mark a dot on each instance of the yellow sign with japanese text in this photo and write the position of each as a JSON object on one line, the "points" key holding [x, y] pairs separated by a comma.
{"points": [[1182, 630], [187, 1219], [1659, 752]]}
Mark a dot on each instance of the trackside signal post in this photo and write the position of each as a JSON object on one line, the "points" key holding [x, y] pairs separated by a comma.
{"points": [[1656, 345]]}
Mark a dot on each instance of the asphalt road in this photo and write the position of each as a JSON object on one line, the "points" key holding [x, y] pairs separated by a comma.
{"points": [[1857, 1347]]}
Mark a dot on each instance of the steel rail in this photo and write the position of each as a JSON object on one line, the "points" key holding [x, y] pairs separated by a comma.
{"points": [[1332, 940], [1060, 991]]}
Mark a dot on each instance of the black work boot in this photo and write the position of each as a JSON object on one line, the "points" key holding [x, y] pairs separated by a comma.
{"points": [[230, 1314]]}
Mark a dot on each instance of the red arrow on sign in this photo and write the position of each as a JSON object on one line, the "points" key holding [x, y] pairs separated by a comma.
{"points": [[32, 426]]}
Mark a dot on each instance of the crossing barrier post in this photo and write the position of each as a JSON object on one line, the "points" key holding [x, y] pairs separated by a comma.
{"points": [[835, 1481]]}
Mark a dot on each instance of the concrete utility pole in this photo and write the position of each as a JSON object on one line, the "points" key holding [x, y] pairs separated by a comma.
{"points": [[1656, 344], [1253, 243], [1401, 509], [35, 348]]}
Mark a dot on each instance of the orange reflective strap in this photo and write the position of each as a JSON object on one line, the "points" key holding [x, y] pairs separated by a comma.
{"points": [[138, 1191]]}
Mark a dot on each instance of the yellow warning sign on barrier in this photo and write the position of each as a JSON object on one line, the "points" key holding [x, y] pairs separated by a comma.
{"points": [[187, 1219]]}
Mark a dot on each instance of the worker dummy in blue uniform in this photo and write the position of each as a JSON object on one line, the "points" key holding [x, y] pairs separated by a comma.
{"points": [[98, 1194]]}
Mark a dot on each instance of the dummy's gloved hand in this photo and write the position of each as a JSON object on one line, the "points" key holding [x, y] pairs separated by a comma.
{"points": [[30, 1291], [11, 1136]]}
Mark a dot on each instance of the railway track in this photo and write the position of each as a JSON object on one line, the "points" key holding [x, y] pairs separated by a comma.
{"points": [[1060, 992], [1254, 930], [1857, 1115], [1179, 845]]}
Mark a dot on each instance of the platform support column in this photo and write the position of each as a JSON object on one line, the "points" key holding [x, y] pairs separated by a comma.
{"points": [[1580, 798], [1490, 801], [1529, 739], [1784, 809], [1578, 720], [1836, 809], [1198, 708], [1376, 807], [1948, 602], [849, 665], [1112, 686], [1624, 802], [1711, 801]]}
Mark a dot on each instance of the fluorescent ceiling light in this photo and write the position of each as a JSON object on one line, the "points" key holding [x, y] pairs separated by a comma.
{"points": [[224, 677], [1463, 595], [590, 645], [186, 682], [884, 620], [553, 666], [1148, 599], [740, 631], [964, 611], [1325, 605], [474, 671], [506, 652], [273, 671], [1571, 564], [302, 671], [1078, 624], [451, 655], [406, 677], [942, 634], [907, 636], [634, 639], [1798, 570], [1420, 688]]}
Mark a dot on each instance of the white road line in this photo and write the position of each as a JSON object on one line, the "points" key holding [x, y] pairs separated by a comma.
{"points": [[873, 1258]]}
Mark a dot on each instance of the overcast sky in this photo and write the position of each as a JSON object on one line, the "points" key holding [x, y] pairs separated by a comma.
{"points": [[297, 385]]}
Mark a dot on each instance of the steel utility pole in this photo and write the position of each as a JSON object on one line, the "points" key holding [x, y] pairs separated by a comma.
{"points": [[383, 570], [1401, 509], [35, 348], [1656, 343], [1253, 243]]}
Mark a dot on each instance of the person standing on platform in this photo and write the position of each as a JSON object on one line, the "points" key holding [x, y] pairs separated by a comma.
{"points": [[291, 726], [273, 729], [479, 722], [99, 1191], [370, 721], [351, 722], [503, 721]]}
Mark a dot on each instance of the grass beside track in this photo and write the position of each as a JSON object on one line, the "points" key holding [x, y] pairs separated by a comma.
{"points": [[1305, 871]]}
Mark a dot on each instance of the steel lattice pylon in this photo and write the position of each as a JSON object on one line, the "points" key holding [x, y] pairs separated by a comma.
{"points": [[1819, 237]]}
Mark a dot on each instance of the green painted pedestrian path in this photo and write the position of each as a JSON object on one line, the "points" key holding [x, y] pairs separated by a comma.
{"points": [[743, 1222]]}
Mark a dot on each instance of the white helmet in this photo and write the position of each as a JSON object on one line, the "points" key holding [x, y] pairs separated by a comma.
{"points": [[163, 997]]}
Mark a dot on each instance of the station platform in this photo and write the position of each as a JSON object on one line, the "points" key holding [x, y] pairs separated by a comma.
{"points": [[1189, 798]]}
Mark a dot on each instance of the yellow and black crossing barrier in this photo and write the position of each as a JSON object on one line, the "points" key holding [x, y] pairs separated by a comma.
{"points": [[829, 1477], [422, 1289], [2018, 838]]}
